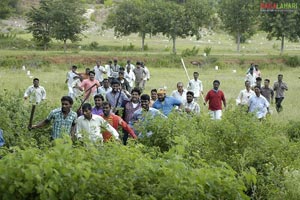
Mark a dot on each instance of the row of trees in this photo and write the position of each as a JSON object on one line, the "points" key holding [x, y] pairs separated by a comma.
{"points": [[63, 20]]}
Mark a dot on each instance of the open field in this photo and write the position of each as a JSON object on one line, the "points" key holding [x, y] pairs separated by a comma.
{"points": [[53, 77]]}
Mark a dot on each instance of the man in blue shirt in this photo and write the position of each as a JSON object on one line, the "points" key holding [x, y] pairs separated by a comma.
{"points": [[165, 103]]}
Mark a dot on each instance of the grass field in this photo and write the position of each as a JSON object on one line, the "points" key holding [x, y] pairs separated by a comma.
{"points": [[53, 77], [258, 50]]}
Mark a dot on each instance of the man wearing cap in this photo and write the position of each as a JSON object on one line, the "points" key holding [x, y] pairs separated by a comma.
{"points": [[165, 103]]}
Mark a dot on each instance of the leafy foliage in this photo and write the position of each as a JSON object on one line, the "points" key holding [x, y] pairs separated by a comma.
{"points": [[239, 18], [59, 19]]}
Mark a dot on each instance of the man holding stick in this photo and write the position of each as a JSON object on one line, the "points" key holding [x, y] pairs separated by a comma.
{"points": [[64, 119], [88, 85]]}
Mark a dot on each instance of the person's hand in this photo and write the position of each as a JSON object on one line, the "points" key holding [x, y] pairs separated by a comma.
{"points": [[187, 110]]}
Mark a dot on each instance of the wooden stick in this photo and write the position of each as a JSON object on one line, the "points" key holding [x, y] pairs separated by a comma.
{"points": [[31, 117]]}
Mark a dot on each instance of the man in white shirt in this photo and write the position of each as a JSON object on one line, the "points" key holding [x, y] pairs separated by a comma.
{"points": [[36, 92], [105, 88], [91, 125], [258, 104], [146, 76], [196, 86], [180, 93], [129, 76], [99, 71], [245, 95], [130, 65], [251, 77], [70, 79]]}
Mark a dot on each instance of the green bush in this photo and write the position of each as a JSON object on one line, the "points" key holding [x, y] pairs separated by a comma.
{"points": [[190, 52], [292, 61]]}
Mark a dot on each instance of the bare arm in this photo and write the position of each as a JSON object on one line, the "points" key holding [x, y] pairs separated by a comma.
{"points": [[41, 124]]}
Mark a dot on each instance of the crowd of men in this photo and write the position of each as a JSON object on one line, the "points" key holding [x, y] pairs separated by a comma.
{"points": [[119, 102]]}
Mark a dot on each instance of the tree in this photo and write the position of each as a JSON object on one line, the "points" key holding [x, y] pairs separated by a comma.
{"points": [[7, 7], [239, 17], [68, 20], [39, 23], [199, 14], [135, 16], [124, 19], [59, 19], [281, 25], [174, 23]]}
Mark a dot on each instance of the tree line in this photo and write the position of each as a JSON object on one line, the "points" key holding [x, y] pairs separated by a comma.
{"points": [[63, 19]]}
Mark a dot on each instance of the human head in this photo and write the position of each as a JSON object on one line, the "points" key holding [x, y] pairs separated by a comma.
{"points": [[258, 81], [105, 83], [128, 62], [36, 82], [266, 83], [251, 70], [180, 86], [189, 96], [110, 62], [154, 94], [87, 110], [106, 108], [216, 84], [115, 61], [145, 101], [135, 94], [98, 63], [92, 75], [122, 69], [98, 99], [87, 71], [280, 77], [196, 75], [257, 90], [74, 68], [138, 64], [66, 103], [161, 94], [115, 85], [247, 85], [121, 75], [128, 68]]}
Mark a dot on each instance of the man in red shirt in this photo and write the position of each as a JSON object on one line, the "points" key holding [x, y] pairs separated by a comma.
{"points": [[215, 98], [115, 121]]}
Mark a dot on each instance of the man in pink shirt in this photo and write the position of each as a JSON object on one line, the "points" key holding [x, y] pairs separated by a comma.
{"points": [[215, 98], [89, 85]]}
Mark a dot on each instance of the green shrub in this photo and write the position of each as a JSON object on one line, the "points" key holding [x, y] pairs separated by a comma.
{"points": [[207, 50], [190, 52], [293, 131], [292, 61]]}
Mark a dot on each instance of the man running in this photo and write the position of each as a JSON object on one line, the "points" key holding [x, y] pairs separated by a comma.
{"points": [[35, 92], [279, 87]]}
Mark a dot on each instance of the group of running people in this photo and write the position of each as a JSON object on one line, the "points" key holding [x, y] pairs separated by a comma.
{"points": [[119, 105]]}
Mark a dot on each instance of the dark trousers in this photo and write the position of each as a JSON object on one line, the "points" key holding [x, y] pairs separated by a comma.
{"points": [[278, 102]]}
